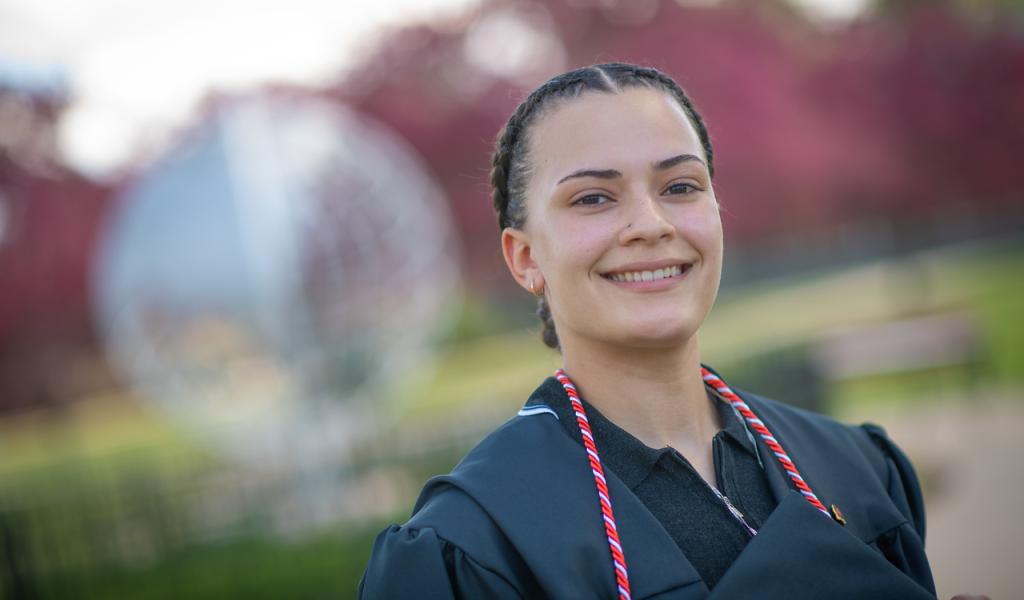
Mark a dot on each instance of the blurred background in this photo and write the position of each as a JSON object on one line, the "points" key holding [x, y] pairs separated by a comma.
{"points": [[251, 294]]}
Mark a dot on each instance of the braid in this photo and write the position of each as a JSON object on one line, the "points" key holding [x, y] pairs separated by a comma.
{"points": [[510, 166], [548, 334]]}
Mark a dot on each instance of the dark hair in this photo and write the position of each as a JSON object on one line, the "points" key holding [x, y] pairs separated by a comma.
{"points": [[510, 166]]}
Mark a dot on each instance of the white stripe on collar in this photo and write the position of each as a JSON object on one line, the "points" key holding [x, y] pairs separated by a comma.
{"points": [[538, 409]]}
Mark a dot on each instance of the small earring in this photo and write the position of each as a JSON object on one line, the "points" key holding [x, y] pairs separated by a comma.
{"points": [[532, 291]]}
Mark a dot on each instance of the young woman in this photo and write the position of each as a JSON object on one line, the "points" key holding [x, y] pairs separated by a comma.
{"points": [[636, 472]]}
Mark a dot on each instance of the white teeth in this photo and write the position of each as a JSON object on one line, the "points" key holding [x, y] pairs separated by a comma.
{"points": [[648, 275]]}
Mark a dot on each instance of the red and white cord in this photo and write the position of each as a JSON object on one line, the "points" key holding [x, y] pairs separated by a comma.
{"points": [[757, 425], [604, 496], [610, 529]]}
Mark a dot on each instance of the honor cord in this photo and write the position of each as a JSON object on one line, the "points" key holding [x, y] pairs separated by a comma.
{"points": [[610, 529], [758, 425], [604, 496]]}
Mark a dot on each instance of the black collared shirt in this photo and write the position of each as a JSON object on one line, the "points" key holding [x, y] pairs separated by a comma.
{"points": [[678, 497]]}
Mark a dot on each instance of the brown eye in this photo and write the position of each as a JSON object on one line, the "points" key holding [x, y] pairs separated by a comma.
{"points": [[591, 200], [681, 188]]}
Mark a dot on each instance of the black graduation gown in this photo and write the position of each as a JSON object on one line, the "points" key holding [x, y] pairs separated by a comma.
{"points": [[518, 517]]}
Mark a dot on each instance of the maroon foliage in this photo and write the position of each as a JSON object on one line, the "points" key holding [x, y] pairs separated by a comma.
{"points": [[46, 257], [897, 120]]}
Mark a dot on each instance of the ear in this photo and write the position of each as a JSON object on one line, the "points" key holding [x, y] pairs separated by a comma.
{"points": [[519, 257]]}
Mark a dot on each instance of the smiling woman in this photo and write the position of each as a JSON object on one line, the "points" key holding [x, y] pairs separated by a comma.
{"points": [[635, 471], [601, 213]]}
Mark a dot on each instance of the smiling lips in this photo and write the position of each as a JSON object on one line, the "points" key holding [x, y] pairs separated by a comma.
{"points": [[648, 275]]}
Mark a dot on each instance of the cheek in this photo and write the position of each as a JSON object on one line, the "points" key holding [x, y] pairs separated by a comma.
{"points": [[571, 249], [703, 229]]}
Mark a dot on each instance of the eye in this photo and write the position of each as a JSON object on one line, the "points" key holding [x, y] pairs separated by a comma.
{"points": [[591, 200], [681, 188]]}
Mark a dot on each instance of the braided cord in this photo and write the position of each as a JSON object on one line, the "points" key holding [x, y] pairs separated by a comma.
{"points": [[610, 529], [758, 425], [604, 496]]}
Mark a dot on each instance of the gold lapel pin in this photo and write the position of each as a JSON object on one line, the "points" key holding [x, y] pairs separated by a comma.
{"points": [[838, 515]]}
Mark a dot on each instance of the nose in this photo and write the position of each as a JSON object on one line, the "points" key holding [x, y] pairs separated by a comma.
{"points": [[646, 221]]}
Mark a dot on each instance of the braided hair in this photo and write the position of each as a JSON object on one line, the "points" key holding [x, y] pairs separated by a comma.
{"points": [[510, 165]]}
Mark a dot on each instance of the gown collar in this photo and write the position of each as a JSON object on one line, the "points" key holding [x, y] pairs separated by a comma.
{"points": [[559, 537]]}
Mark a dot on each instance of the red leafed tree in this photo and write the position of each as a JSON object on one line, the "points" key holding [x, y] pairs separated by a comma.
{"points": [[49, 222], [897, 119]]}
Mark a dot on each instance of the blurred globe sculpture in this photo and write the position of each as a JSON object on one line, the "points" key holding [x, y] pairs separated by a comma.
{"points": [[283, 258]]}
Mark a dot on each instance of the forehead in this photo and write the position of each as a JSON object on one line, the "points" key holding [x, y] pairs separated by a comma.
{"points": [[604, 130]]}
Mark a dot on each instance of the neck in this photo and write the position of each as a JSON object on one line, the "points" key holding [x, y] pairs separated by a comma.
{"points": [[656, 395]]}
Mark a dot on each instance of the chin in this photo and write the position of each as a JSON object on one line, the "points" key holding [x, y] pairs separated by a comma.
{"points": [[658, 335]]}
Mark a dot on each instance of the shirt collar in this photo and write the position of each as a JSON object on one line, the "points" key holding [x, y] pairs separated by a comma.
{"points": [[627, 456]]}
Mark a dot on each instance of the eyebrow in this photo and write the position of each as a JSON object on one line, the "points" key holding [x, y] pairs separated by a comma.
{"points": [[661, 165], [668, 163]]}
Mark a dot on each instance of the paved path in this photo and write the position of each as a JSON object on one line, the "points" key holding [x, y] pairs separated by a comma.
{"points": [[970, 457]]}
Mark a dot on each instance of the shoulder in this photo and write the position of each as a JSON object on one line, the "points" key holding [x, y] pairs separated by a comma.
{"points": [[450, 549], [805, 428], [855, 456], [532, 446], [455, 538], [458, 502], [859, 468]]}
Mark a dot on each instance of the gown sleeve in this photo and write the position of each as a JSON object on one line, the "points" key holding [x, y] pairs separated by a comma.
{"points": [[903, 546], [415, 563]]}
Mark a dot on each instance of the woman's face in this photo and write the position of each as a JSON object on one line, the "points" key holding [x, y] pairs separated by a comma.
{"points": [[622, 230]]}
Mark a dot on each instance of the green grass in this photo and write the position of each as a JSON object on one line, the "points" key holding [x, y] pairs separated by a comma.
{"points": [[984, 282], [496, 370], [321, 567], [985, 279]]}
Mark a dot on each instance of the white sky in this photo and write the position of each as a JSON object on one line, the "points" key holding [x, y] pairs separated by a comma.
{"points": [[136, 68]]}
